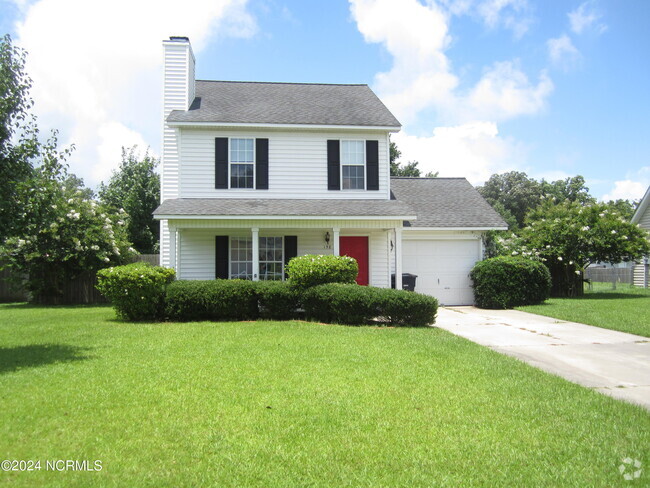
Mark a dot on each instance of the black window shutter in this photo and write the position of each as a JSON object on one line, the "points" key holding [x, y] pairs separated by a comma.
{"points": [[372, 165], [221, 163], [333, 165], [290, 249], [221, 257], [262, 164]]}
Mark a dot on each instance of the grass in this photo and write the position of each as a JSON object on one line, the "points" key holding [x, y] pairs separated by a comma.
{"points": [[626, 309], [275, 404]]}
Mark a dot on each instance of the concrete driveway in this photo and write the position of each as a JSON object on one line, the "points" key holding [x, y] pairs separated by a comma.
{"points": [[611, 362]]}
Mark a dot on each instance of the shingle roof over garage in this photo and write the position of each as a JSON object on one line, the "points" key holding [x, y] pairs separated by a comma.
{"points": [[285, 103], [445, 203]]}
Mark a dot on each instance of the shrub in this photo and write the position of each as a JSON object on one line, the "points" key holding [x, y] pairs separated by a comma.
{"points": [[277, 300], [355, 305], [137, 290], [214, 300], [312, 270], [507, 282], [407, 308]]}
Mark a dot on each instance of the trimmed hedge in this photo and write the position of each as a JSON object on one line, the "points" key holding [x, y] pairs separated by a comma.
{"points": [[137, 290], [508, 281], [356, 305], [215, 300], [277, 300], [313, 270]]}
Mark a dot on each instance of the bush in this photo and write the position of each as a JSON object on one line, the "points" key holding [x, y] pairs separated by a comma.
{"points": [[356, 305], [214, 300], [277, 300], [507, 282], [313, 270], [137, 290]]}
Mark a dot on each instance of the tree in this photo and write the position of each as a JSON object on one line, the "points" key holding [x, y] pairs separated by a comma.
{"points": [[570, 236], [18, 132], [135, 187], [62, 233], [516, 193], [571, 189]]}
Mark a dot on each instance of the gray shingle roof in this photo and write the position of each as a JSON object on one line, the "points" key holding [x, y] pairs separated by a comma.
{"points": [[285, 207], [445, 202], [285, 103]]}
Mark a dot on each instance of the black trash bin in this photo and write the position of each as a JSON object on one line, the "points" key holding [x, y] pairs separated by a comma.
{"points": [[408, 281]]}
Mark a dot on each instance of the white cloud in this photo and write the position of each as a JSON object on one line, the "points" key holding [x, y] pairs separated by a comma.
{"points": [[421, 77], [586, 16], [514, 15], [96, 67], [473, 150], [562, 53], [504, 92], [465, 140], [626, 190]]}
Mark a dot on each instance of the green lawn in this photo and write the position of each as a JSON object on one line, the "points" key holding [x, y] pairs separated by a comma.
{"points": [[283, 404], [626, 309]]}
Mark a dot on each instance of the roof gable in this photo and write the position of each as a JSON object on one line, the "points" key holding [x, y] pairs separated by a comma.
{"points": [[224, 102]]}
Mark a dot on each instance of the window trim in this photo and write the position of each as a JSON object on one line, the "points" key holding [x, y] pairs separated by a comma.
{"points": [[259, 274], [230, 163], [342, 164], [231, 261], [231, 247]]}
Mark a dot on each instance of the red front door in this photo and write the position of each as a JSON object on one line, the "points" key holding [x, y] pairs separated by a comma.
{"points": [[356, 247]]}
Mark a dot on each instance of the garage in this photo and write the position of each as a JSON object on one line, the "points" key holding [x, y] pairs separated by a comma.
{"points": [[442, 267]]}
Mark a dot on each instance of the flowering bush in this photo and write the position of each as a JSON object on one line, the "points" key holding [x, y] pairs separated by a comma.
{"points": [[311, 270], [570, 236], [137, 291], [62, 233]]}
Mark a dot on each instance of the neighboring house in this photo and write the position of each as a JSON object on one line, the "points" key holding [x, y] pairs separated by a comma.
{"points": [[254, 174], [642, 218]]}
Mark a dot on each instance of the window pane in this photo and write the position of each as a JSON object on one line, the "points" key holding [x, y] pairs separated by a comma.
{"points": [[241, 175], [353, 177], [271, 263], [352, 152]]}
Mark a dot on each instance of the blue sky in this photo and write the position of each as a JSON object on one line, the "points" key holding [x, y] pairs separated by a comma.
{"points": [[554, 88]]}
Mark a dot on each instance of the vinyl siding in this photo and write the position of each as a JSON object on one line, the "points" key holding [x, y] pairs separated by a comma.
{"points": [[641, 270], [178, 93], [197, 260], [297, 164]]}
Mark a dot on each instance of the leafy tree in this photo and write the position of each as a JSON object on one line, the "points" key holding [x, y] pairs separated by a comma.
{"points": [[135, 187], [570, 236], [18, 132], [571, 189], [516, 193], [62, 232]]}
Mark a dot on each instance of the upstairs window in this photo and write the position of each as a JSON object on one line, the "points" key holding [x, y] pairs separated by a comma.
{"points": [[353, 160], [242, 163]]}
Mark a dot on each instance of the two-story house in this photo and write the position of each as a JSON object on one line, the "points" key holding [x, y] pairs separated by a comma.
{"points": [[254, 174]]}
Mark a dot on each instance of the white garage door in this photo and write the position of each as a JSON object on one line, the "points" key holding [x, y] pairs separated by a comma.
{"points": [[443, 268]]}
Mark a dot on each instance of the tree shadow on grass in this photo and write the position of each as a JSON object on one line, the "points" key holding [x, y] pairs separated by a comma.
{"points": [[34, 355], [611, 295]]}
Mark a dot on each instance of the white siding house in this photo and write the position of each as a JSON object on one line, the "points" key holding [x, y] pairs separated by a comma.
{"points": [[254, 174], [642, 219]]}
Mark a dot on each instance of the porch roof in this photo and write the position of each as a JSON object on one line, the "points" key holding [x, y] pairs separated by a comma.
{"points": [[229, 208]]}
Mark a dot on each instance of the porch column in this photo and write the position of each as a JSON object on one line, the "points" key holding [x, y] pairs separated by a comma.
{"points": [[172, 247], [337, 233], [398, 258], [256, 253]]}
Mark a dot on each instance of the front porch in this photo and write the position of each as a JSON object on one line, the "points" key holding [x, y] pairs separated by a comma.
{"points": [[259, 249]]}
